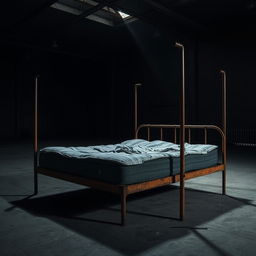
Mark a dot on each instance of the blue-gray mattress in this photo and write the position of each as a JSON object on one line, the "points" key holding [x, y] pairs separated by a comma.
{"points": [[118, 173]]}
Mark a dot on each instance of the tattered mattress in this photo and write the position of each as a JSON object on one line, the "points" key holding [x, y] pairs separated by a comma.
{"points": [[129, 162]]}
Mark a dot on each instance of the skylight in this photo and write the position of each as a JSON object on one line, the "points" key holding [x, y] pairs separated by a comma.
{"points": [[124, 15], [93, 10]]}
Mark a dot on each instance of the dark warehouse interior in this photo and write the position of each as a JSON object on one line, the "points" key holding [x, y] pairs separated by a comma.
{"points": [[87, 57]]}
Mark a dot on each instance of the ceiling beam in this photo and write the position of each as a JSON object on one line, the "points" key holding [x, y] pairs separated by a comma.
{"points": [[64, 29], [174, 15], [92, 10]]}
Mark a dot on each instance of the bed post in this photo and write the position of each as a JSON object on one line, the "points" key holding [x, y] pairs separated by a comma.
{"points": [[182, 136], [35, 135], [136, 109], [123, 204], [224, 116]]}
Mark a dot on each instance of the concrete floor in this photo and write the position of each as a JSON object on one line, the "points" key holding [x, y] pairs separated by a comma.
{"points": [[67, 219]]}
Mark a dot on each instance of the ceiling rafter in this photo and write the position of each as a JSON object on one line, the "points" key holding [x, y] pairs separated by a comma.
{"points": [[92, 10], [66, 28]]}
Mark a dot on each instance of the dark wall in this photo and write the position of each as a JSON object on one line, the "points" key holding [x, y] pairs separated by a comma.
{"points": [[74, 94], [157, 65], [237, 56], [8, 108], [93, 98]]}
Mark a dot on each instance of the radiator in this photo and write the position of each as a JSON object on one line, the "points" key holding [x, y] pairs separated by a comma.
{"points": [[242, 136]]}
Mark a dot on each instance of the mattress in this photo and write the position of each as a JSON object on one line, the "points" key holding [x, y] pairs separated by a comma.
{"points": [[118, 173]]}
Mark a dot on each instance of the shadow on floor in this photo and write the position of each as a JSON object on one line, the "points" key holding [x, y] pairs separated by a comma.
{"points": [[151, 220]]}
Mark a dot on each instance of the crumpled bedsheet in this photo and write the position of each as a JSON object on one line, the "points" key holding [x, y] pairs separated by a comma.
{"points": [[130, 152]]}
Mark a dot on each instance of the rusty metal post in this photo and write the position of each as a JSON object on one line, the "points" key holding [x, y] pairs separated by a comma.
{"points": [[224, 122], [136, 108], [36, 135], [182, 136]]}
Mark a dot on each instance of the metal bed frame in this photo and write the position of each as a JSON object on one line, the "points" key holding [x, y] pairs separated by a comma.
{"points": [[125, 190]]}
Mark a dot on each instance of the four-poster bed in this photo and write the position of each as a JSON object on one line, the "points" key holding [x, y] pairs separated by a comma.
{"points": [[57, 162]]}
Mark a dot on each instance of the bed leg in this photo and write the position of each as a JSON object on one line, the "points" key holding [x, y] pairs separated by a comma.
{"points": [[35, 182], [123, 204], [182, 200], [224, 182]]}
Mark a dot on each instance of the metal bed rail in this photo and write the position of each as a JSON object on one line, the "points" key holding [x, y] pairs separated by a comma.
{"points": [[174, 127]]}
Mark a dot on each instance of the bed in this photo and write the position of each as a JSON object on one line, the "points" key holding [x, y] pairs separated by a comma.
{"points": [[136, 165]]}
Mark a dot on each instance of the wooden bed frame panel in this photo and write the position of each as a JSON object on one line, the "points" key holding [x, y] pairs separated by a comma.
{"points": [[80, 180], [125, 190], [132, 188]]}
